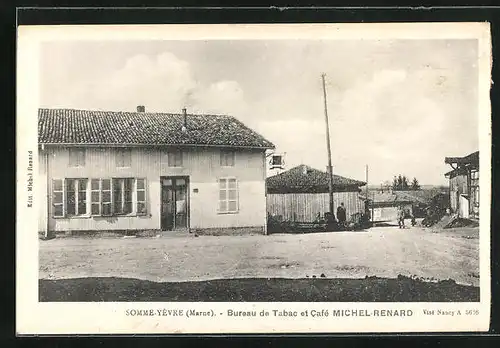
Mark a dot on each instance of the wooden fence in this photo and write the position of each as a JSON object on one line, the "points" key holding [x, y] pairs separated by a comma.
{"points": [[304, 207]]}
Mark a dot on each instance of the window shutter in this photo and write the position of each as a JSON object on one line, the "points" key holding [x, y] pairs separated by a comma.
{"points": [[58, 198], [141, 208]]}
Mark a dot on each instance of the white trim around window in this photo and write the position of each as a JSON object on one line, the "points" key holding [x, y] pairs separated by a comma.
{"points": [[228, 201], [86, 197]]}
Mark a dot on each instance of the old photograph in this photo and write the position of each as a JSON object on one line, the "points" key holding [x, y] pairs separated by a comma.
{"points": [[255, 169]]}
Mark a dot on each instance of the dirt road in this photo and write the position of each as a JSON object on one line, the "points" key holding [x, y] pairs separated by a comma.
{"points": [[382, 251]]}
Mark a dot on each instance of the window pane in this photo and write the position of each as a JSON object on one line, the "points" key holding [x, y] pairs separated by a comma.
{"points": [[95, 208], [57, 185], [222, 194], [94, 184], [70, 198], [223, 206], [106, 184], [128, 196], [180, 182], [232, 194], [70, 185], [141, 196], [222, 183], [232, 206], [58, 210], [82, 197], [95, 196], [140, 184], [70, 203], [82, 208], [232, 183], [82, 184], [167, 182], [58, 197], [129, 183], [141, 208], [127, 208], [106, 196], [106, 209]]}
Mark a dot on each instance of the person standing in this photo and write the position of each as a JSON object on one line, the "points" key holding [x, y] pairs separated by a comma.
{"points": [[341, 215], [401, 217]]}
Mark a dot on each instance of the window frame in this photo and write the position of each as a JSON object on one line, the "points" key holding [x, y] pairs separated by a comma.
{"points": [[172, 156], [226, 154], [227, 200], [76, 184], [74, 157], [123, 196], [120, 158], [90, 202]]}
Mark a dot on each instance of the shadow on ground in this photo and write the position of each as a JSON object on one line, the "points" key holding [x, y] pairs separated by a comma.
{"points": [[370, 289]]}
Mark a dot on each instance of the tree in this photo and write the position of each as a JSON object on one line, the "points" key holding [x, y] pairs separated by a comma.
{"points": [[404, 183], [395, 183], [400, 183], [415, 185]]}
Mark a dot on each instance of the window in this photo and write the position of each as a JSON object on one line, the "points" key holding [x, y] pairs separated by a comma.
{"points": [[123, 158], [76, 157], [76, 197], [227, 158], [117, 196], [228, 195], [175, 158], [122, 196]]}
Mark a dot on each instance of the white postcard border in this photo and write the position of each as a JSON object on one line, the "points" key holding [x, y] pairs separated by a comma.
{"points": [[34, 317]]}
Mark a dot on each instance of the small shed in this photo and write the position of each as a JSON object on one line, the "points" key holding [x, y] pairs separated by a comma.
{"points": [[301, 194], [384, 205]]}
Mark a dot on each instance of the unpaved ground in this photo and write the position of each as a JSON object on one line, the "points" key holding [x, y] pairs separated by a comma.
{"points": [[382, 252]]}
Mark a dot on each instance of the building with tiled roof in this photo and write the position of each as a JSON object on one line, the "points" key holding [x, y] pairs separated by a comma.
{"points": [[464, 185], [69, 126], [122, 171], [301, 193]]}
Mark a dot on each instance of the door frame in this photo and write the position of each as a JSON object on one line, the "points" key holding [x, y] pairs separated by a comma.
{"points": [[188, 199]]}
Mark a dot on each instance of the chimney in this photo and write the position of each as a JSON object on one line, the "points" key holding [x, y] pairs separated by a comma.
{"points": [[184, 119], [141, 108]]}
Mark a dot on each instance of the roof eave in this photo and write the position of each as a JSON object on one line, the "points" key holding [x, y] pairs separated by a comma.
{"points": [[267, 147]]}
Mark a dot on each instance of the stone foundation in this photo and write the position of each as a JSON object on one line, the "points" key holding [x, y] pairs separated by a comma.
{"points": [[229, 231]]}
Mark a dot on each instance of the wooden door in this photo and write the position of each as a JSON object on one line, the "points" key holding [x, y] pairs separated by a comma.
{"points": [[174, 205]]}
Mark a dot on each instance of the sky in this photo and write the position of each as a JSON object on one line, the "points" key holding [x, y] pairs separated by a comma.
{"points": [[398, 106]]}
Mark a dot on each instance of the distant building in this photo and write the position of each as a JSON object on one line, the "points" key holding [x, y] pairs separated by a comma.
{"points": [[464, 185], [384, 205], [301, 193]]}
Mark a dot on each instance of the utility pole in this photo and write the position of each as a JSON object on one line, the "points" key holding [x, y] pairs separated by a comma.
{"points": [[330, 168]]}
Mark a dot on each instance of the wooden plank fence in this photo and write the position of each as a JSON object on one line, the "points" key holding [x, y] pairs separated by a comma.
{"points": [[304, 207]]}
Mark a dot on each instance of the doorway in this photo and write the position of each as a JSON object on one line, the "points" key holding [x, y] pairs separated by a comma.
{"points": [[174, 203]]}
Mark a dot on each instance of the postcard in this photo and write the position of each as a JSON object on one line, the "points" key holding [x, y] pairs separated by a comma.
{"points": [[264, 178]]}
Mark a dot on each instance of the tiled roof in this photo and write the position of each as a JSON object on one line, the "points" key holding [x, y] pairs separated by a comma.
{"points": [[70, 126], [308, 180]]}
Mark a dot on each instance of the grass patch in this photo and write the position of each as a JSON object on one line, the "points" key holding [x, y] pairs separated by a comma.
{"points": [[370, 289]]}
